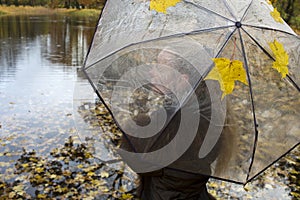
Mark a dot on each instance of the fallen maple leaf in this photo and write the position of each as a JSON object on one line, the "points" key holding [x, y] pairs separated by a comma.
{"points": [[162, 5], [227, 72], [281, 58]]}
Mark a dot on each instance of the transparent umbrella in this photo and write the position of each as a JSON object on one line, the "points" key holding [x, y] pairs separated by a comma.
{"points": [[207, 87]]}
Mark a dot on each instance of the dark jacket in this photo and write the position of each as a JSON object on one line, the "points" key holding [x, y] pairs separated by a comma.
{"points": [[184, 178]]}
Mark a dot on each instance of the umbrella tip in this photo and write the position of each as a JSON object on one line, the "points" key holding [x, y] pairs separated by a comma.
{"points": [[238, 24]]}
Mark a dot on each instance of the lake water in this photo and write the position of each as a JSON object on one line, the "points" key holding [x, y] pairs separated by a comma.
{"points": [[38, 61], [39, 58], [40, 152]]}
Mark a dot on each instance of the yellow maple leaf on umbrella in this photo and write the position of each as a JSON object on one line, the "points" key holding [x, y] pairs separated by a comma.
{"points": [[227, 72], [281, 58], [276, 15], [162, 5]]}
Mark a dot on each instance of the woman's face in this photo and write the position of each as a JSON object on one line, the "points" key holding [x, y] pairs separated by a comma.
{"points": [[165, 73]]}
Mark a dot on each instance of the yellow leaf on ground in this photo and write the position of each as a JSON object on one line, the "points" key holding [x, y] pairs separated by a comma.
{"points": [[123, 189], [42, 196], [80, 166], [104, 174], [227, 72], [39, 169], [162, 5], [11, 195], [91, 173], [53, 176], [276, 15], [127, 196], [103, 189], [281, 58], [18, 188], [97, 182]]}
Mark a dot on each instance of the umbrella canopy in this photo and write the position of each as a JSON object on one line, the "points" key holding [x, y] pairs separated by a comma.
{"points": [[207, 87]]}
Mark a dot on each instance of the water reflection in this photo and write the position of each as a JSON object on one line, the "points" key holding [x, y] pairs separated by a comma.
{"points": [[38, 59], [63, 40]]}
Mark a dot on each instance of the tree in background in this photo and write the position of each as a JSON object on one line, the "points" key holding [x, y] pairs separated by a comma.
{"points": [[290, 11], [79, 4]]}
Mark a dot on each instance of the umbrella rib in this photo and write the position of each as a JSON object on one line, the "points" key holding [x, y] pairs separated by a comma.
{"points": [[293, 82], [208, 10], [229, 9], [271, 29], [215, 177], [271, 57], [108, 109], [273, 162], [223, 46], [246, 11], [259, 45], [198, 83], [252, 103], [94, 34], [161, 38]]}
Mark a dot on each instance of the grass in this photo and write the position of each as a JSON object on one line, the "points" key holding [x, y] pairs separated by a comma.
{"points": [[2, 13], [39, 10]]}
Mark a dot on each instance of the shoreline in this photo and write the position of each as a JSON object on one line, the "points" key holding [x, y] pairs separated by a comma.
{"points": [[40, 10]]}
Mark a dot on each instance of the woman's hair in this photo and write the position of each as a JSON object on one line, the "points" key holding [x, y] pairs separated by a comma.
{"points": [[228, 142]]}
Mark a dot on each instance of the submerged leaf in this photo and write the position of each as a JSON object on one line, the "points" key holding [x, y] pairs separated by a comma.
{"points": [[162, 5], [127, 196], [227, 72], [281, 58], [276, 15]]}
